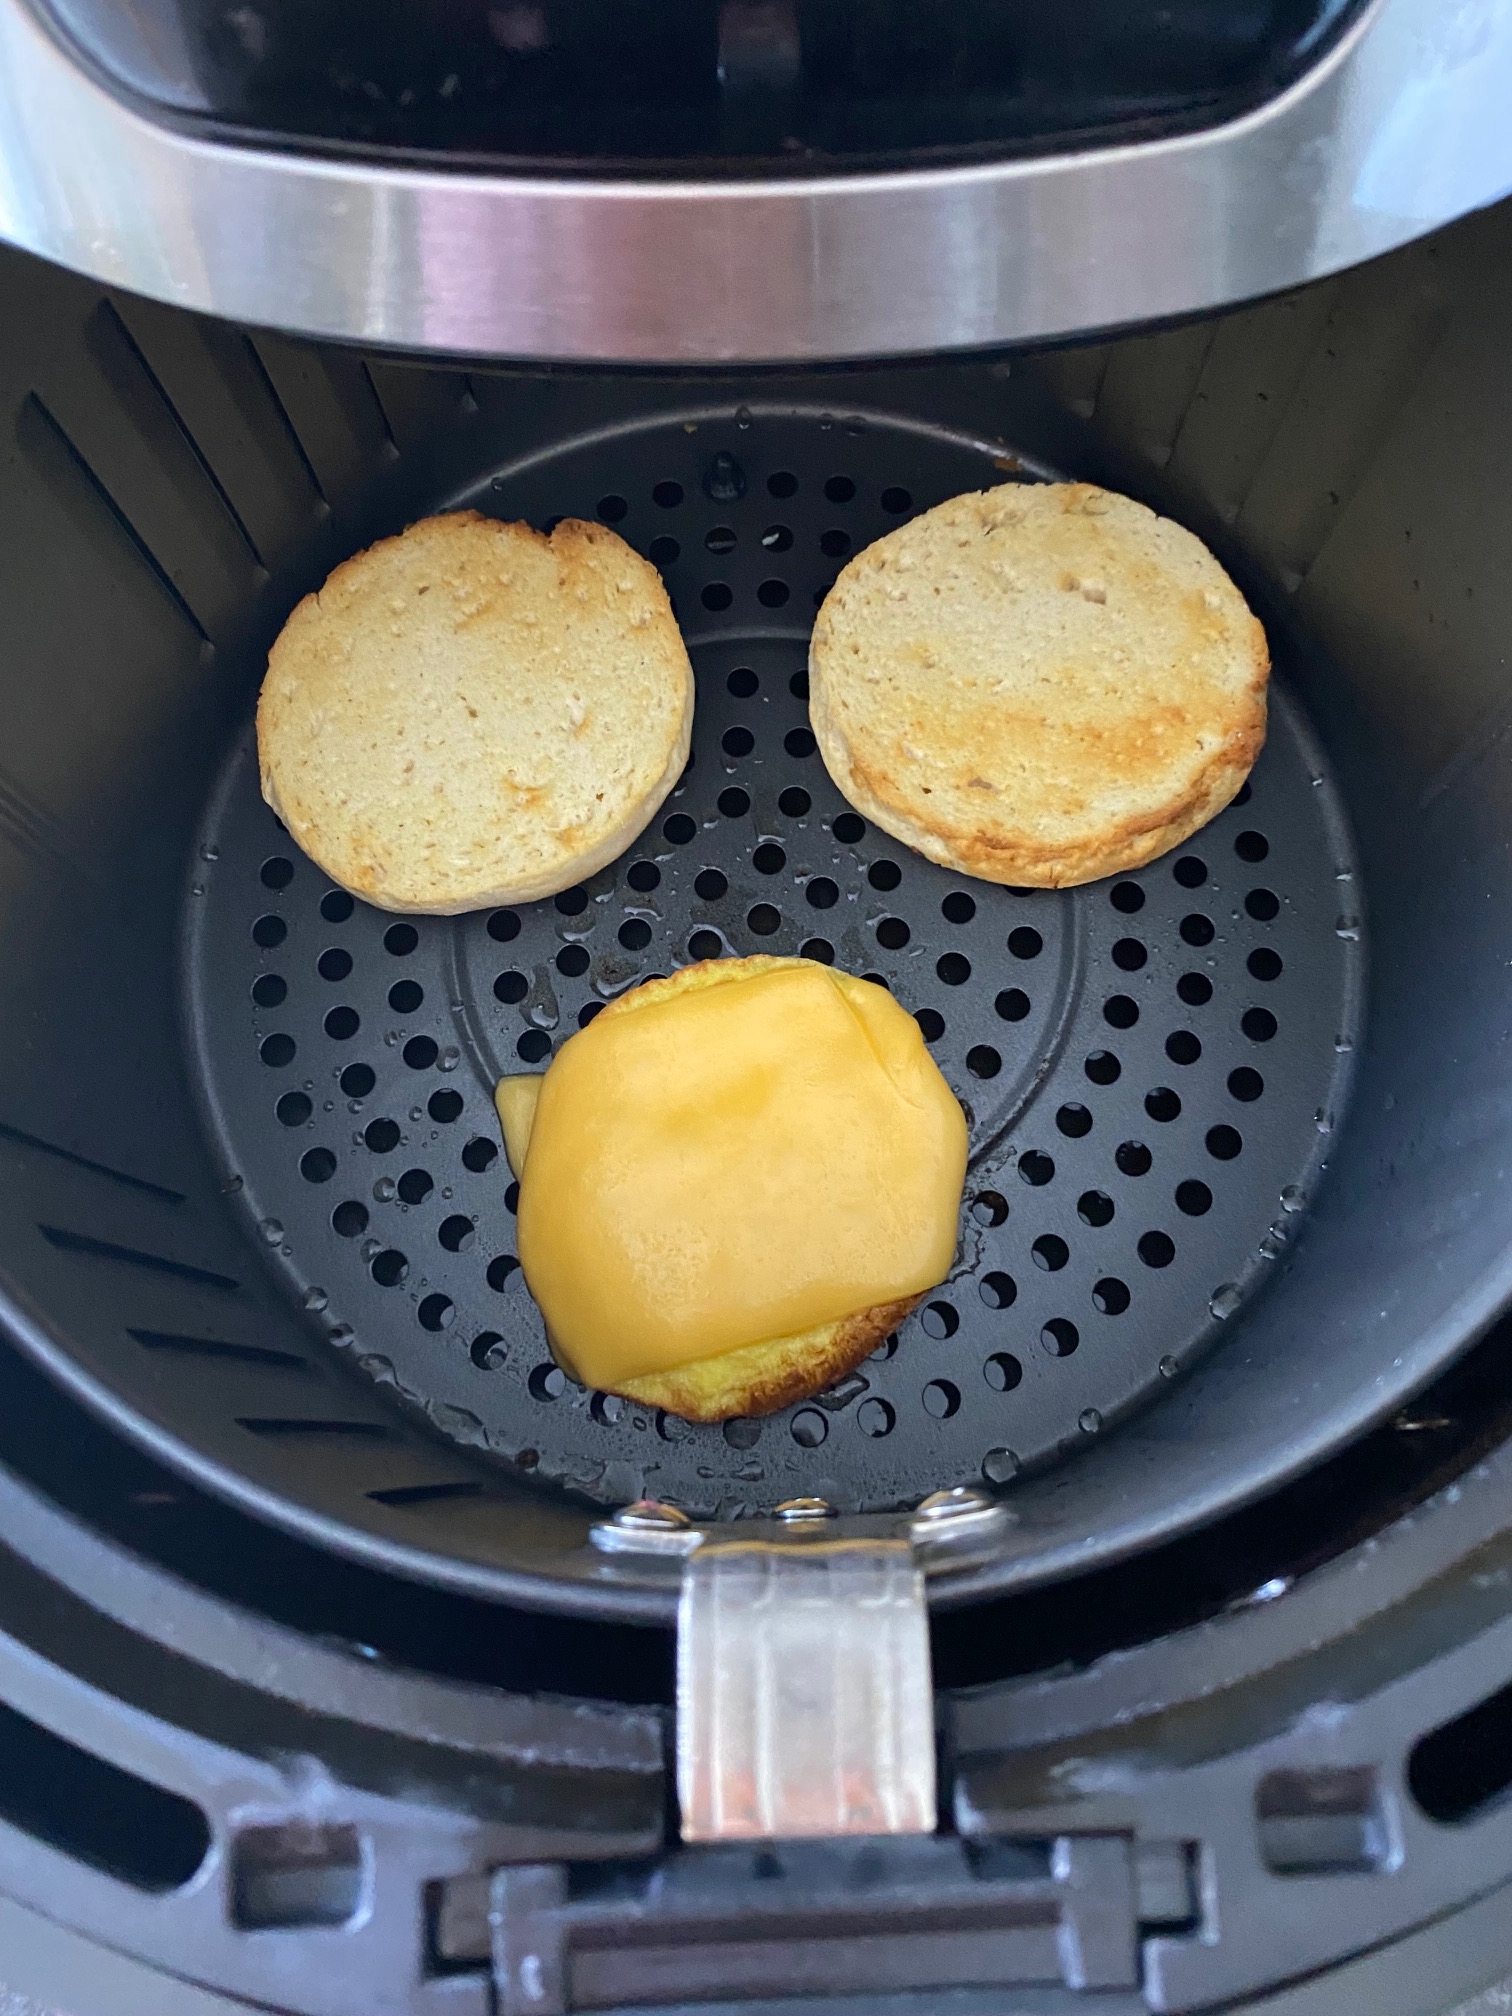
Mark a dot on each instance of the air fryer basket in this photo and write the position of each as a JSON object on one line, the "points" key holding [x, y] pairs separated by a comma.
{"points": [[1232, 1196]]}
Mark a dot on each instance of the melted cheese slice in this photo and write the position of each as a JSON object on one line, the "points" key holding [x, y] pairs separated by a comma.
{"points": [[745, 1151]]}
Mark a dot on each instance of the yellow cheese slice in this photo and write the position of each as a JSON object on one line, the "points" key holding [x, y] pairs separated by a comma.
{"points": [[746, 1151]]}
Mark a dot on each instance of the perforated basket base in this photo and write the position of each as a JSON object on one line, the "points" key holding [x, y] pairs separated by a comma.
{"points": [[1152, 1067]]}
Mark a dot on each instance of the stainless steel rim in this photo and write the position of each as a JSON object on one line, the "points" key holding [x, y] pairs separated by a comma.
{"points": [[1401, 128]]}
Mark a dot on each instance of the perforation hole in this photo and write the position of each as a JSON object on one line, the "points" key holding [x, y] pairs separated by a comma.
{"points": [[667, 494], [634, 934], [1024, 942], [317, 1165], [1060, 1337], [349, 1218], [1119, 1012], [705, 945], [664, 550], [876, 1418], [1196, 929], [276, 872], [849, 828], [1036, 1168], [444, 1106], [1050, 1252], [1133, 1158], [1264, 964], [1110, 1295], [989, 1207], [764, 919], [896, 500], [884, 875], [1193, 1198], [998, 1290], [415, 1185], [487, 1351], [1103, 1068], [501, 1270], [737, 742], [269, 931], [941, 1399], [809, 1429], [269, 990], [1224, 1143], [1129, 955], [931, 1023], [1190, 872], [611, 509], [1245, 1084], [772, 594], [436, 1312], [503, 926], [1012, 1004], [1162, 1104], [893, 934], [480, 1154], [1258, 1024], [547, 1382], [821, 893], [777, 538], [799, 742], [1127, 897], [720, 539], [1156, 1249], [834, 543], [400, 940], [336, 906], [278, 1050], [819, 950], [1095, 1208], [382, 1136], [954, 968], [456, 1233], [679, 829], [734, 803], [769, 858], [1195, 989], [1182, 1047], [405, 996], [798, 685], [742, 682], [357, 1080], [572, 961], [839, 489], [1263, 905], [1074, 1120], [709, 885], [958, 907], [794, 802], [982, 1061], [334, 963], [1251, 847], [782, 483], [939, 1320], [389, 1268], [1003, 1372]]}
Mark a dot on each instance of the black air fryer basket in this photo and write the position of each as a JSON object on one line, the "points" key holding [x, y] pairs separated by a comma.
{"points": [[1239, 1129]]}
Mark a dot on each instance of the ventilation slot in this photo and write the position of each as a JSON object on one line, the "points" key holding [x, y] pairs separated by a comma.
{"points": [[132, 1256], [216, 1347], [25, 1140], [274, 1426], [1464, 1766], [296, 1875], [426, 1494], [95, 1811], [1322, 1823]]}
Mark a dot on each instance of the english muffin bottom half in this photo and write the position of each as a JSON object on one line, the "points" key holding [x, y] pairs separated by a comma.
{"points": [[1039, 685], [734, 1184]]}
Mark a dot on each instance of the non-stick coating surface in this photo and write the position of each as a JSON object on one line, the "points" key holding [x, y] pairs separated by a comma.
{"points": [[1152, 1066]]}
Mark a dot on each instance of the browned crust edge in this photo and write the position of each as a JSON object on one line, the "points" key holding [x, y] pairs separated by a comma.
{"points": [[751, 1390]]}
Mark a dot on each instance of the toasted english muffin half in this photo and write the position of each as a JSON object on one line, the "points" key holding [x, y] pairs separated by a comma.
{"points": [[473, 714], [1040, 684], [754, 1379]]}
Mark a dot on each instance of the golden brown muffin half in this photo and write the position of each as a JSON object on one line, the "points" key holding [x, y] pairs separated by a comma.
{"points": [[1040, 684], [472, 713], [734, 1184]]}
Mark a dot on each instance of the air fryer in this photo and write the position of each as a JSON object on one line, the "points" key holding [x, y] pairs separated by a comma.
{"points": [[340, 1663]]}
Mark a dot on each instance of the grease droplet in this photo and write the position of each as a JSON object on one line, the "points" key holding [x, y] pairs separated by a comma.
{"points": [[1224, 1301]]}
